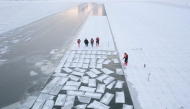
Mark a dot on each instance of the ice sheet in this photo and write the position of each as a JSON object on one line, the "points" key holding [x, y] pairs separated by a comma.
{"points": [[60, 101], [101, 88], [107, 98]]}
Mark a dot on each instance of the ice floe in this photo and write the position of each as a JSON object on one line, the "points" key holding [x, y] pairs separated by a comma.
{"points": [[38, 104], [93, 95], [75, 93], [95, 71], [55, 90], [92, 83], [91, 74], [69, 101], [87, 89], [85, 79], [48, 104], [107, 98], [67, 87], [106, 71], [74, 78], [119, 84], [120, 97], [84, 99], [60, 101], [102, 77], [101, 88], [97, 105], [111, 85]]}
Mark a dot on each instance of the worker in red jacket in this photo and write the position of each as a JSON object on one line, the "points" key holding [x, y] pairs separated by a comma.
{"points": [[97, 41], [78, 41], [92, 41], [126, 58]]}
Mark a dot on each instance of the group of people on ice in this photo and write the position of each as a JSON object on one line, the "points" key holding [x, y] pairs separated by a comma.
{"points": [[91, 41]]}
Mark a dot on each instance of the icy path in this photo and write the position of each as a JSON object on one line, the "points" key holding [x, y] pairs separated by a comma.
{"points": [[158, 36], [95, 27], [17, 14]]}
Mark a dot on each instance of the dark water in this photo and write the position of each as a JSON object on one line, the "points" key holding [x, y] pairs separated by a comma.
{"points": [[53, 32]]}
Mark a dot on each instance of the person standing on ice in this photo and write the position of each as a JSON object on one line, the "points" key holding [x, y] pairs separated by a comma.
{"points": [[86, 42], [126, 58], [78, 41], [97, 41], [92, 41]]}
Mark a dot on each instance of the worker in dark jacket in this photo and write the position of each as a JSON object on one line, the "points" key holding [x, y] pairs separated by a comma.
{"points": [[78, 41], [126, 58], [97, 41], [86, 42], [92, 41]]}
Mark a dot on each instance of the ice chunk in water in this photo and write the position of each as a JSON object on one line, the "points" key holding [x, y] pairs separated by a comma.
{"points": [[100, 61], [102, 77], [38, 104], [95, 71], [48, 104], [81, 106], [91, 74], [125, 106], [108, 80], [101, 88], [68, 70], [60, 100], [92, 83], [97, 105], [63, 81], [119, 84], [75, 93], [107, 71], [69, 102], [47, 88], [70, 88], [93, 95], [55, 90], [99, 66], [111, 85], [74, 78], [120, 97], [77, 73], [119, 71], [45, 96], [107, 62], [107, 98], [115, 61], [87, 89], [84, 99], [73, 83]]}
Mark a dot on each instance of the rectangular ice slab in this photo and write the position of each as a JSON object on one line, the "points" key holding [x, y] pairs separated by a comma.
{"points": [[107, 98], [70, 87], [120, 97], [107, 62], [92, 65], [99, 66], [100, 61], [73, 83], [115, 61], [102, 77], [88, 52], [38, 104], [97, 105], [60, 100], [93, 95], [55, 90], [55, 80], [63, 81], [92, 83], [77, 73], [79, 70], [45, 96], [91, 74], [87, 89], [84, 99], [107, 71], [125, 106], [93, 61], [68, 70], [85, 79], [111, 85], [119, 84], [48, 104], [81, 106], [74, 78], [101, 88], [79, 64], [75, 93], [69, 102], [87, 61], [85, 66], [108, 80], [60, 74], [47, 88], [95, 71], [73, 65], [93, 52], [119, 71]]}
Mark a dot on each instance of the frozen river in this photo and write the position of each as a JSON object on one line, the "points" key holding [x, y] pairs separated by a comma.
{"points": [[34, 50]]}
